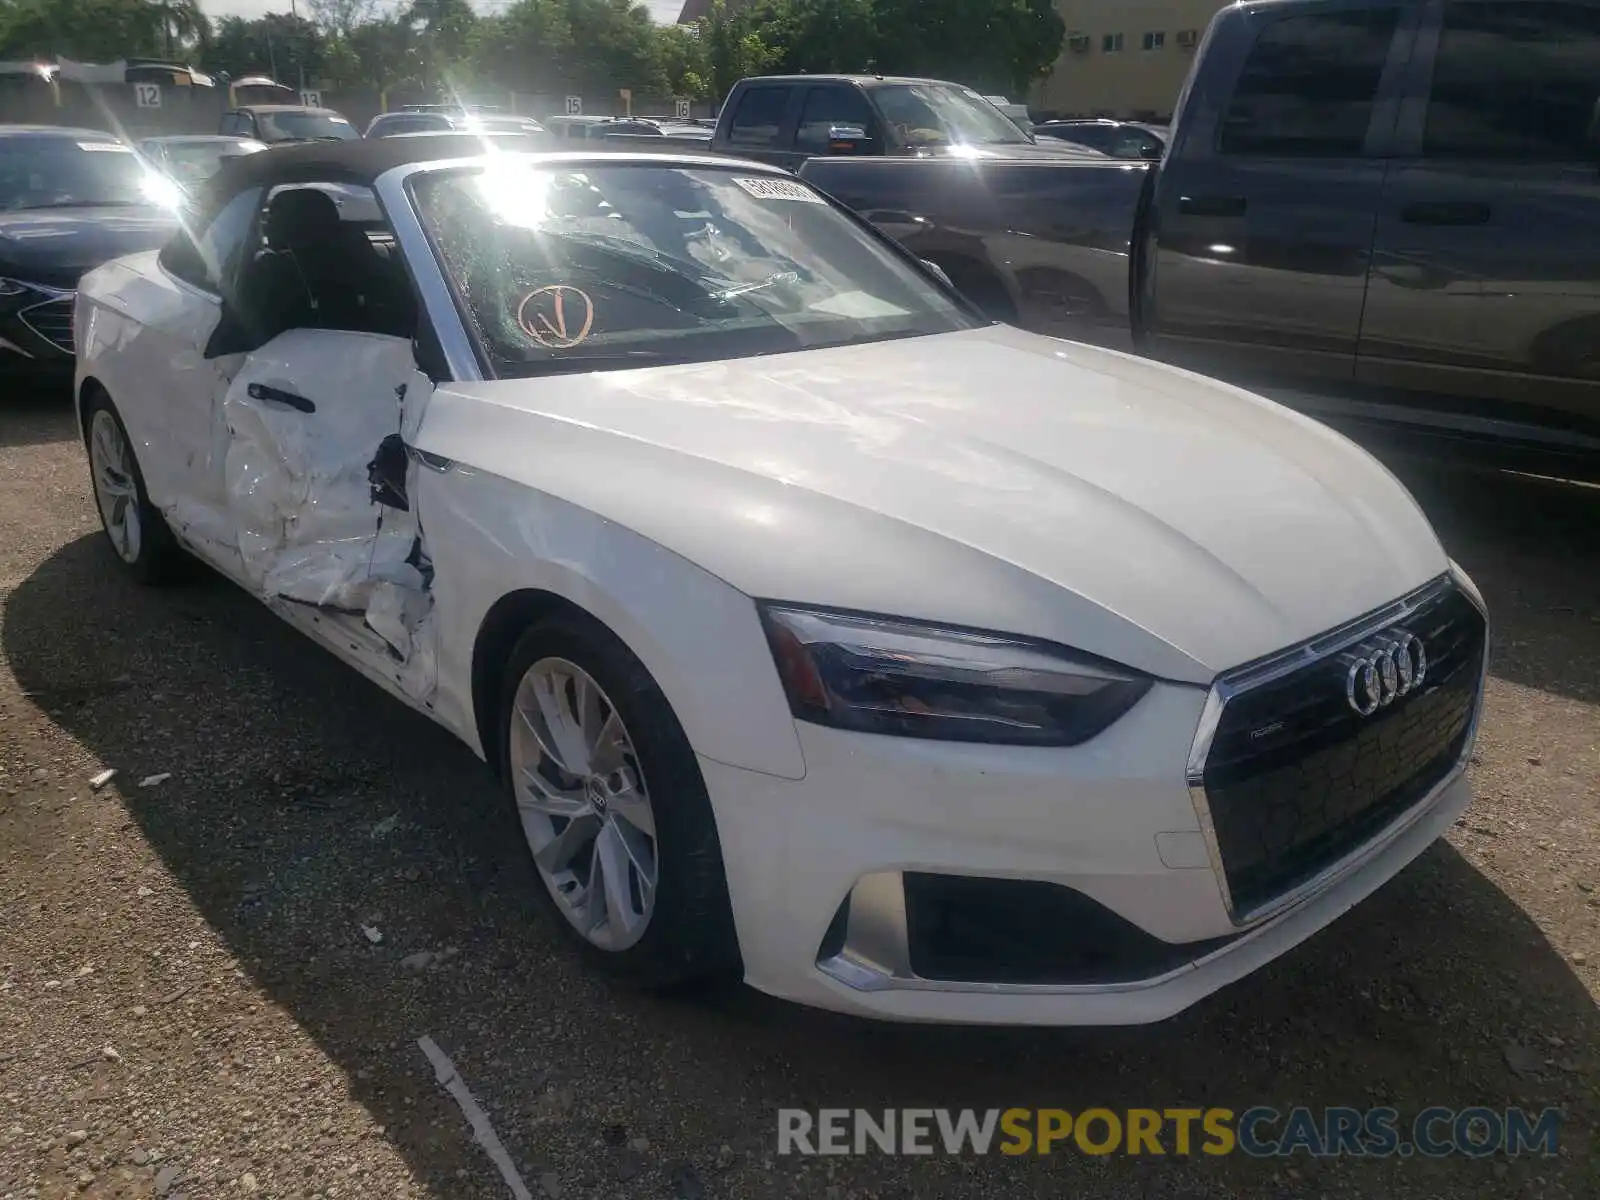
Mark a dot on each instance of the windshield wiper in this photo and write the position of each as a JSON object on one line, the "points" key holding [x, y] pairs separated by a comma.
{"points": [[744, 289], [591, 362]]}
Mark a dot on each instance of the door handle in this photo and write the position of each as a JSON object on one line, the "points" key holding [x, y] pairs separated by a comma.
{"points": [[1445, 212], [1211, 206], [272, 395]]}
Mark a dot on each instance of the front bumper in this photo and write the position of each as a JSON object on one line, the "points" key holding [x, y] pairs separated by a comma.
{"points": [[833, 877], [36, 330]]}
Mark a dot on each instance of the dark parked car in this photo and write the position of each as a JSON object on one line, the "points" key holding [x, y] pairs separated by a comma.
{"points": [[391, 123], [191, 159], [274, 123], [1385, 212], [70, 200], [481, 122], [647, 133], [785, 119], [1119, 139]]}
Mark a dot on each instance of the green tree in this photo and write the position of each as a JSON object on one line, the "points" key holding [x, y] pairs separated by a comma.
{"points": [[525, 47], [734, 48], [684, 64], [585, 47], [277, 43], [388, 55], [445, 25], [613, 46], [339, 17], [85, 30], [182, 24], [997, 44], [820, 36]]}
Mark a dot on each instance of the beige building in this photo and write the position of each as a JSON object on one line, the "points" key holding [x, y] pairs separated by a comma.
{"points": [[1123, 59]]}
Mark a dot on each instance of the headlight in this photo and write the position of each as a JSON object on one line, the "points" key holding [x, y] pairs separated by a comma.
{"points": [[881, 675]]}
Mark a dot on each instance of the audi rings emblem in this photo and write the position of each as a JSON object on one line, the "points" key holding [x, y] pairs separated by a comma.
{"points": [[1382, 676]]}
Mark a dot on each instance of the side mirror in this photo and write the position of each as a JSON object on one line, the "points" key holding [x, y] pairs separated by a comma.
{"points": [[847, 139], [1152, 153], [182, 256], [938, 273]]}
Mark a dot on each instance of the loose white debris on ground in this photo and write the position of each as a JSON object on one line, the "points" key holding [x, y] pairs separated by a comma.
{"points": [[155, 780], [386, 826], [372, 934], [450, 1079], [99, 781]]}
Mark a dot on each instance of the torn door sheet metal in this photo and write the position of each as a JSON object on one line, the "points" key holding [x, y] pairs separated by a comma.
{"points": [[309, 526]]}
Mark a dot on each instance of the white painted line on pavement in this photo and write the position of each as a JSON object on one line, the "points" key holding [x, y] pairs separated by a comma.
{"points": [[446, 1074]]}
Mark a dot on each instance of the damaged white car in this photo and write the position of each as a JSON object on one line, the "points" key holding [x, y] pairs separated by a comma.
{"points": [[822, 633]]}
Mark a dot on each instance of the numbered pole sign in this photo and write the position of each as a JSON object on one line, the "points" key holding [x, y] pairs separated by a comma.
{"points": [[574, 106], [311, 97], [683, 110], [147, 95]]}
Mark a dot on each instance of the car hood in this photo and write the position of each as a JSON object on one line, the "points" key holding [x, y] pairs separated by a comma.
{"points": [[56, 245], [990, 478]]}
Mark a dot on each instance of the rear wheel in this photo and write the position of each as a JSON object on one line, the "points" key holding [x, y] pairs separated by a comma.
{"points": [[614, 809], [136, 530]]}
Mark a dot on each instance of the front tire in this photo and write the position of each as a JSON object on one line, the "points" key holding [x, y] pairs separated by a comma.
{"points": [[138, 533], [614, 809]]}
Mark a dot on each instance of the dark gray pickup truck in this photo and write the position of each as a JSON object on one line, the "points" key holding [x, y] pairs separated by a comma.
{"points": [[1386, 212]]}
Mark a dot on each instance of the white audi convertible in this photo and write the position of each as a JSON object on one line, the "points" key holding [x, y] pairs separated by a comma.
{"points": [[823, 634]]}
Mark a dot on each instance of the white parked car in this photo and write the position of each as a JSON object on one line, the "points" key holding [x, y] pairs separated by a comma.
{"points": [[821, 632]]}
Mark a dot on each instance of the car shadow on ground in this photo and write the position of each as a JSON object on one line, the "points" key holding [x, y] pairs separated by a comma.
{"points": [[1531, 544], [304, 802]]}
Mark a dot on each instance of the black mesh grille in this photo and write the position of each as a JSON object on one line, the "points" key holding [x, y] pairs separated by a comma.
{"points": [[1296, 779], [52, 321]]}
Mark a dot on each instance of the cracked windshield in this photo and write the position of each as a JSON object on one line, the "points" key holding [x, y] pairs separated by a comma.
{"points": [[638, 266]]}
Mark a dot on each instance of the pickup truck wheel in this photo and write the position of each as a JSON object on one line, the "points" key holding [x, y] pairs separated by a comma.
{"points": [[138, 534], [610, 798]]}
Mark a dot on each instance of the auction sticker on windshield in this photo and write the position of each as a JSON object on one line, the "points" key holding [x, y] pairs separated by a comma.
{"points": [[777, 189]]}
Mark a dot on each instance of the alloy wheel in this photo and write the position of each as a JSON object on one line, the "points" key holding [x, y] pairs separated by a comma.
{"points": [[584, 804], [115, 488]]}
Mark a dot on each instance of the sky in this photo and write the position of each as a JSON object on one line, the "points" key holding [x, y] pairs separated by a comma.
{"points": [[664, 11]]}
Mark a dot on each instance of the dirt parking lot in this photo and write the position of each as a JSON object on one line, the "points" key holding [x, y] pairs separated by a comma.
{"points": [[189, 1005]]}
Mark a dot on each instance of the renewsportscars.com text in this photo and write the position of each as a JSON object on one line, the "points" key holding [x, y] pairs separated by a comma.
{"points": [[1258, 1132]]}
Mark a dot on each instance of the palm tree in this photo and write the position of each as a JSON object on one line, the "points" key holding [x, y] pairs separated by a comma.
{"points": [[181, 21]]}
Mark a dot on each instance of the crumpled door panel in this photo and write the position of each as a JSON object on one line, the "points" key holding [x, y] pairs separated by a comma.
{"points": [[305, 416]]}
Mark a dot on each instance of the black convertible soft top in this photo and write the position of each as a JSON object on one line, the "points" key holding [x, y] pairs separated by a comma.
{"points": [[355, 161]]}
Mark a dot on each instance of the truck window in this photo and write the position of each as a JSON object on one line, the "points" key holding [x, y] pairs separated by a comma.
{"points": [[826, 107], [1308, 87], [759, 117], [1514, 81]]}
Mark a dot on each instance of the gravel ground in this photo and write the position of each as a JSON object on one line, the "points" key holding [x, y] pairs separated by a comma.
{"points": [[189, 1005]]}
